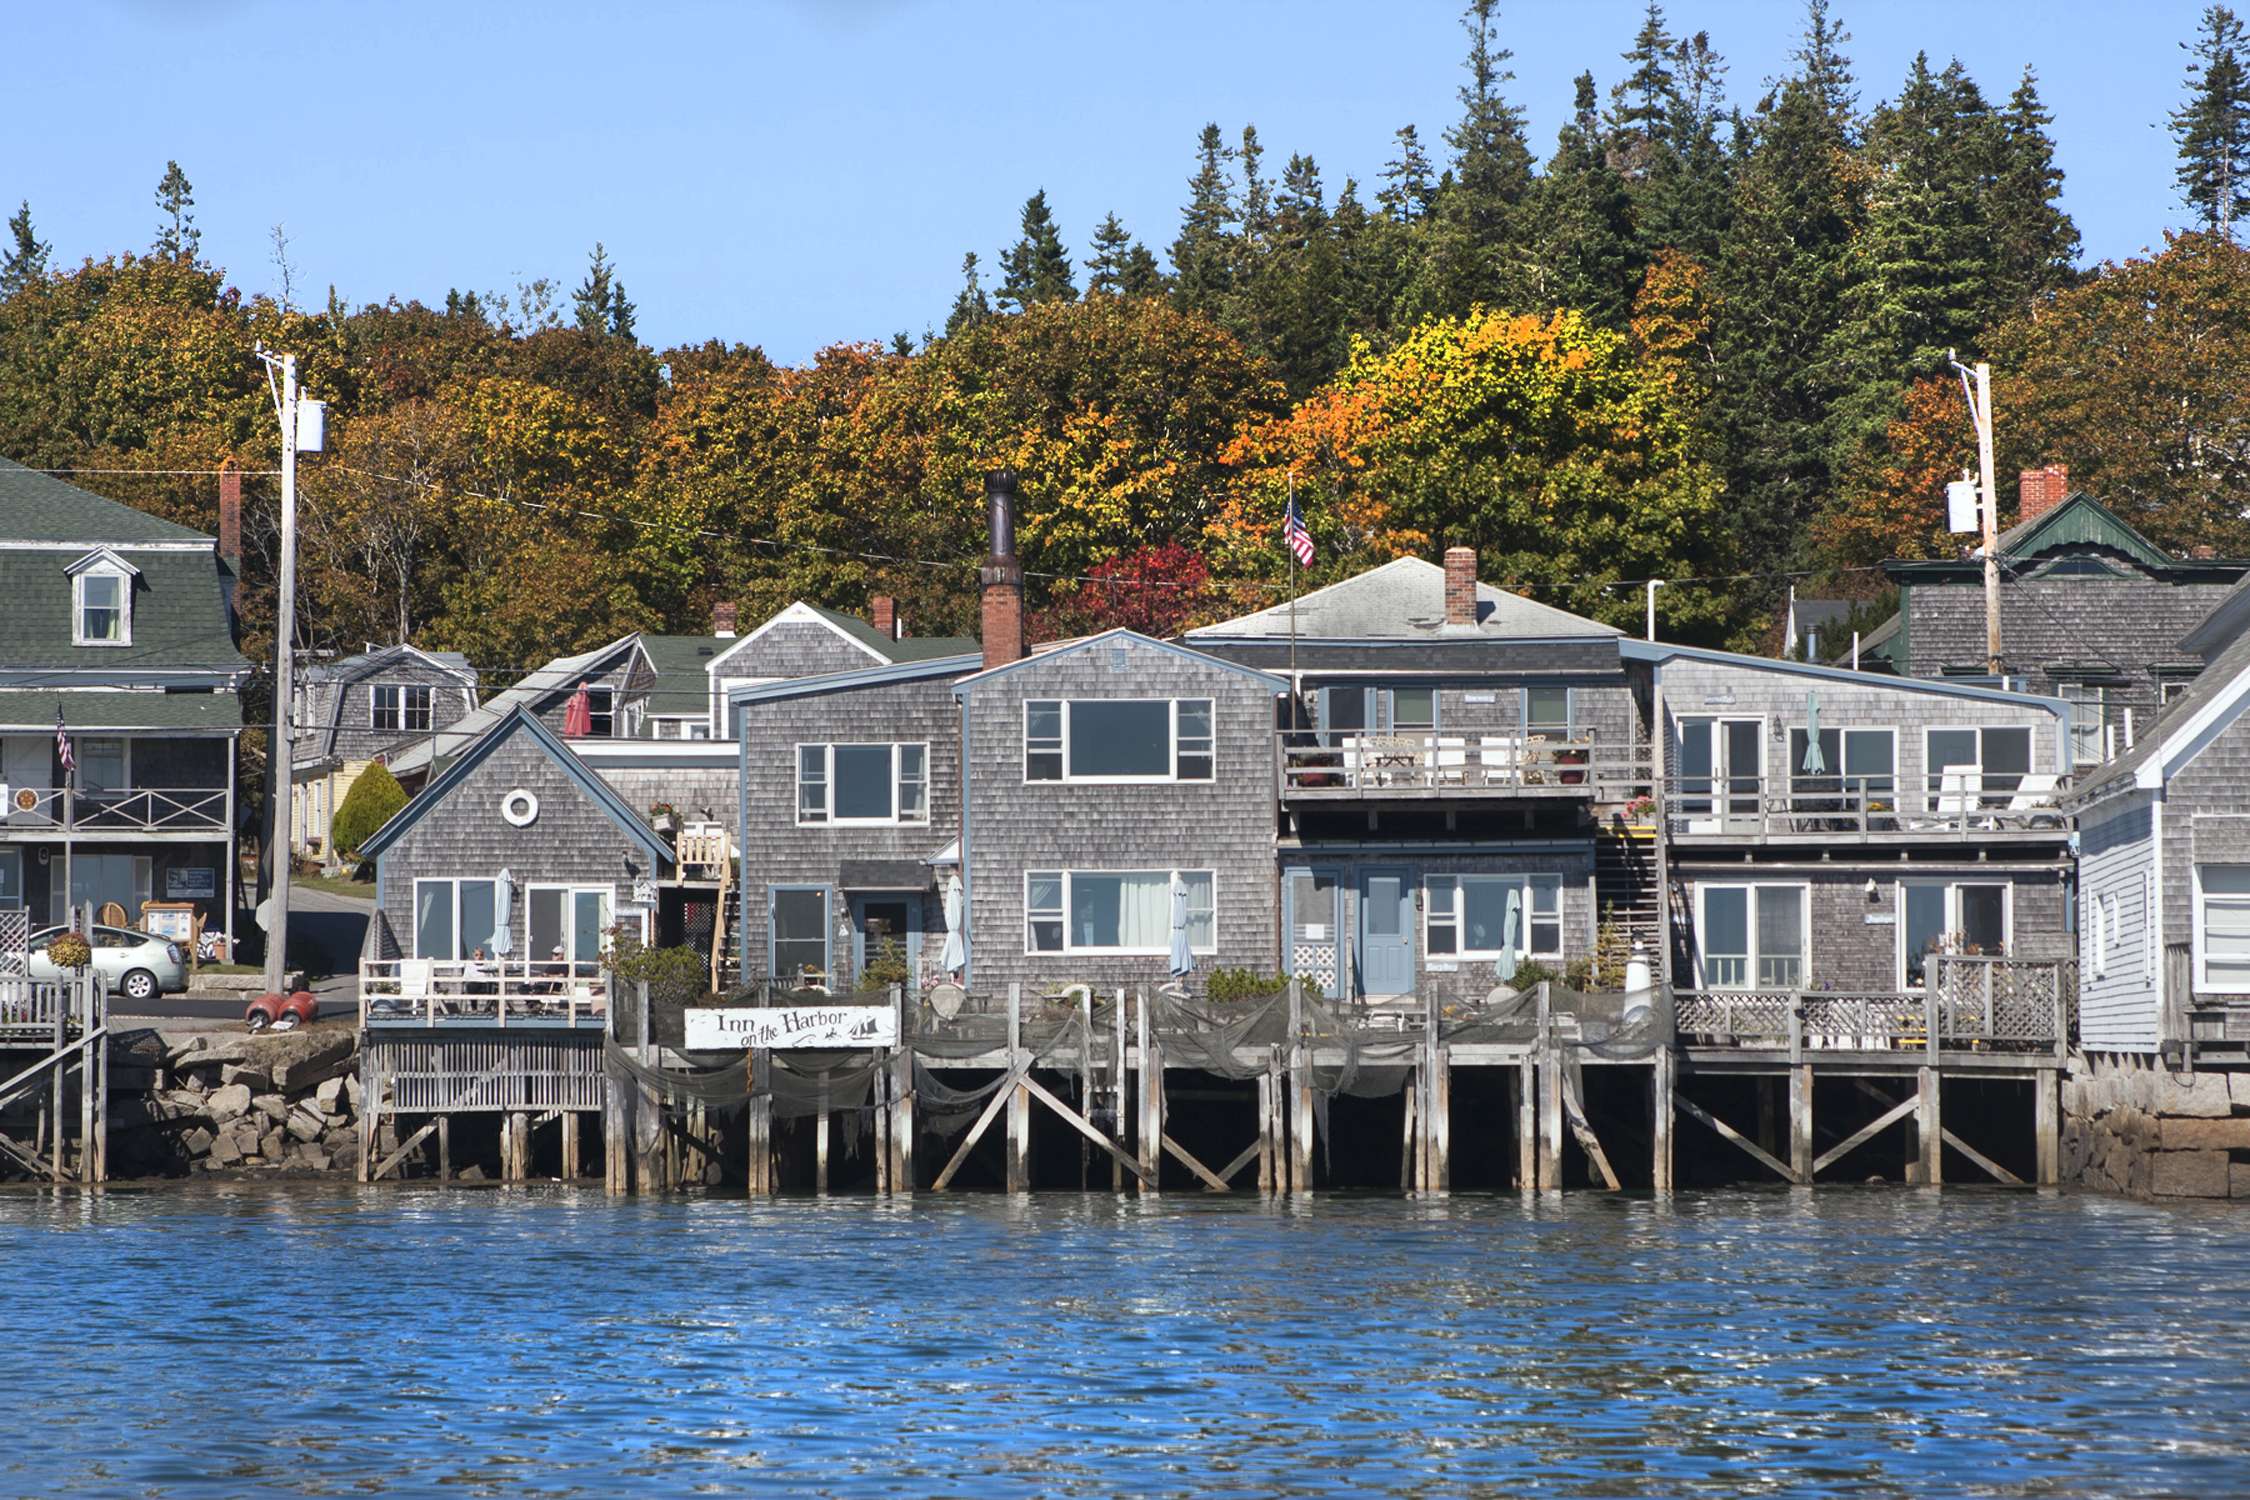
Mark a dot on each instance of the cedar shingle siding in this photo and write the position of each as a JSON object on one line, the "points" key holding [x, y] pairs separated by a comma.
{"points": [[345, 709]]}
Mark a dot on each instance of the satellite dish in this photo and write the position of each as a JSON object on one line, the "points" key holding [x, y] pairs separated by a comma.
{"points": [[946, 1000]]}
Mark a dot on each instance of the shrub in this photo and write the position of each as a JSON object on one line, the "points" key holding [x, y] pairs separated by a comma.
{"points": [[374, 798], [886, 968], [1228, 985]]}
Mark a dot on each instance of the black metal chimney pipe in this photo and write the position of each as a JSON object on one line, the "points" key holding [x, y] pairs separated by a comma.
{"points": [[1000, 511], [1001, 605]]}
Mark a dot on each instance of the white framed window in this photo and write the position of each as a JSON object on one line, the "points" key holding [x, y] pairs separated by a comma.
{"points": [[105, 763], [2101, 908], [1466, 916], [574, 919], [1752, 936], [1855, 761], [1118, 739], [1987, 762], [2091, 706], [797, 932], [454, 918], [2171, 688], [401, 707], [601, 710], [101, 608], [1959, 916], [2148, 926], [1547, 711], [1116, 912], [863, 785], [2222, 928]]}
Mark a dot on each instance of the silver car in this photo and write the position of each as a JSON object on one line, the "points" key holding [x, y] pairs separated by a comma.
{"points": [[137, 965]]}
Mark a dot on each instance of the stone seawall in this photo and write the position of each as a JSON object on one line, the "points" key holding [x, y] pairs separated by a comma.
{"points": [[2132, 1126], [285, 1102]]}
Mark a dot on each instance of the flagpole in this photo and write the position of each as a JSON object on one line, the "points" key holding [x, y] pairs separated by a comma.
{"points": [[1296, 688], [70, 819]]}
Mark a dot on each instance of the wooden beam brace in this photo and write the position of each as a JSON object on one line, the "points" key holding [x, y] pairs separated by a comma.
{"points": [[1209, 1178], [1999, 1173], [992, 1109], [1757, 1152], [1864, 1134], [1575, 1111], [1249, 1155], [30, 1160], [406, 1147], [1081, 1124]]}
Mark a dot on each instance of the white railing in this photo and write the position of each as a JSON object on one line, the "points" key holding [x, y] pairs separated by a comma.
{"points": [[434, 992], [1854, 807], [135, 809], [1976, 1002], [1317, 761]]}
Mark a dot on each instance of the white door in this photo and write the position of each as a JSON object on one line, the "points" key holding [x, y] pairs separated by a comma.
{"points": [[27, 760]]}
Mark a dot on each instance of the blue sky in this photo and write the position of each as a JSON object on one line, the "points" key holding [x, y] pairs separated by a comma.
{"points": [[794, 174]]}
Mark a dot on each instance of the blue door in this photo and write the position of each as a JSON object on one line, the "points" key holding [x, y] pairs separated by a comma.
{"points": [[1386, 932]]}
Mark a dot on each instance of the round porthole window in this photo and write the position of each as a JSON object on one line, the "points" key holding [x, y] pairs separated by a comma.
{"points": [[519, 807]]}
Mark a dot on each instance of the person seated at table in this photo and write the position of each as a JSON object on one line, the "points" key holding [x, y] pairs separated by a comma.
{"points": [[550, 978], [476, 979]]}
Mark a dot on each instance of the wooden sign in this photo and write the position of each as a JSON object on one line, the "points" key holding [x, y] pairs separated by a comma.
{"points": [[787, 1027]]}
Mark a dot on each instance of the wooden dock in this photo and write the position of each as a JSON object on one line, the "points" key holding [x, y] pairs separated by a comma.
{"points": [[54, 1079]]}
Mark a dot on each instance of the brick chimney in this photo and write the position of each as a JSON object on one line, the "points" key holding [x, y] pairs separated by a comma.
{"points": [[2040, 490], [1460, 585], [882, 612], [1001, 575], [230, 516], [725, 616]]}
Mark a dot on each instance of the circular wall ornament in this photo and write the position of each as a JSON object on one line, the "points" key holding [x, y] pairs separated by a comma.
{"points": [[27, 800], [520, 808]]}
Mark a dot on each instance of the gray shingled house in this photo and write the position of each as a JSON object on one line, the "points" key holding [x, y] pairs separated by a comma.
{"points": [[117, 626], [350, 712], [2091, 611]]}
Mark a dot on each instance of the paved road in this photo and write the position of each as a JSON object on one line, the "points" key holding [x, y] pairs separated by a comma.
{"points": [[325, 933]]}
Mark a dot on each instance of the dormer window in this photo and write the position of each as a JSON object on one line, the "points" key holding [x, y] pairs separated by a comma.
{"points": [[404, 707], [101, 599]]}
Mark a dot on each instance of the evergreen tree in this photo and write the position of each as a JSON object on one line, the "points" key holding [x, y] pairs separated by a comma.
{"points": [[1470, 251], [24, 262], [177, 238], [1408, 182], [1643, 104], [1122, 266], [970, 306], [2034, 243], [1582, 242], [1036, 268], [902, 343], [2213, 126], [1203, 255], [597, 294], [1681, 198], [1825, 71], [1297, 296], [1142, 277]]}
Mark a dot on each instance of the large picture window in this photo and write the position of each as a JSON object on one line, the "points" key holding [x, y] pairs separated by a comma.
{"points": [[863, 784], [1116, 911], [454, 918], [1950, 917], [1859, 764], [1987, 764], [1751, 936], [572, 918], [1466, 916], [1117, 739], [2222, 928], [402, 707]]}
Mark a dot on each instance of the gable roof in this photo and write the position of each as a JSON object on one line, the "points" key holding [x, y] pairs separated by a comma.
{"points": [[180, 620], [2180, 731], [2225, 624], [682, 689], [1403, 599], [541, 683], [905, 647], [36, 507], [830, 682], [2080, 521], [519, 720], [352, 668], [1055, 653]]}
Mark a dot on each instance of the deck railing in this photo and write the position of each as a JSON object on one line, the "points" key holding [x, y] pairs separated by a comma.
{"points": [[35, 1009], [1395, 765], [130, 810], [474, 992], [1994, 1004], [1857, 807]]}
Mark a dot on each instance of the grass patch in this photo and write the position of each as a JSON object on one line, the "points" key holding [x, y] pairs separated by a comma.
{"points": [[336, 885]]}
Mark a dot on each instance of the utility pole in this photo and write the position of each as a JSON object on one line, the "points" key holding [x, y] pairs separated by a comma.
{"points": [[1976, 385], [280, 752]]}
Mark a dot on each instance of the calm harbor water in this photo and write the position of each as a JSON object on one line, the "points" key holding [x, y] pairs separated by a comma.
{"points": [[331, 1340]]}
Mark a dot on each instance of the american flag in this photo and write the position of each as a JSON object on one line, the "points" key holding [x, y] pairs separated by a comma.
{"points": [[1294, 533], [62, 745]]}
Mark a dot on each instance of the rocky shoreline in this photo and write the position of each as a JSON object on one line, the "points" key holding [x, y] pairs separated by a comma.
{"points": [[215, 1103]]}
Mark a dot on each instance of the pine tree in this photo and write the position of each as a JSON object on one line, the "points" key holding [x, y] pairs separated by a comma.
{"points": [[177, 238], [1203, 255], [597, 294], [2034, 243], [1295, 301], [2213, 126], [970, 306], [1036, 268], [1682, 199], [1582, 243], [1105, 272], [1470, 250], [1826, 71], [1143, 277], [1408, 182], [1644, 102], [24, 262]]}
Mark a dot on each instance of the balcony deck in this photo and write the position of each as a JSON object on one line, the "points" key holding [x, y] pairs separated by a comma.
{"points": [[1972, 1003], [1317, 767], [135, 813], [430, 994], [1823, 811]]}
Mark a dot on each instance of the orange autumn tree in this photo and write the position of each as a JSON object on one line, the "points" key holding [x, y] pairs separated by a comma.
{"points": [[1569, 460], [1892, 501]]}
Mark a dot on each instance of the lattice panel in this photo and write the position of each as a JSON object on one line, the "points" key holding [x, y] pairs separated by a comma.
{"points": [[15, 939], [1315, 961], [1736, 1012]]}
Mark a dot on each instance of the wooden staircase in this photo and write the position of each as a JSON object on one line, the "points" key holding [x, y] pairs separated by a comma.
{"points": [[1628, 884]]}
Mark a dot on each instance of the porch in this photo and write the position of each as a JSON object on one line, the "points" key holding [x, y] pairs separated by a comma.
{"points": [[1970, 1004], [138, 812], [1816, 811], [435, 993], [1324, 766]]}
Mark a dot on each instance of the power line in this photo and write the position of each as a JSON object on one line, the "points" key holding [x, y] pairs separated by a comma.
{"points": [[164, 473]]}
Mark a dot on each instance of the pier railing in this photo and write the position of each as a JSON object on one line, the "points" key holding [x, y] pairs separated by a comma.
{"points": [[1994, 1004], [473, 992]]}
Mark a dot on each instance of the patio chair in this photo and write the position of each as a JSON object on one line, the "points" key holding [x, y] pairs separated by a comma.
{"points": [[1452, 761], [2033, 805], [1500, 756], [1960, 794]]}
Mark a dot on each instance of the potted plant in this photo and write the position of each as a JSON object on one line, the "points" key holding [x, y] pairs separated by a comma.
{"points": [[664, 818], [70, 950]]}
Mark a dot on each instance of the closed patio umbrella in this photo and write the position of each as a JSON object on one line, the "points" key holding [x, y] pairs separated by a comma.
{"points": [[955, 957], [1511, 923], [578, 714], [503, 896], [1815, 763], [1183, 954]]}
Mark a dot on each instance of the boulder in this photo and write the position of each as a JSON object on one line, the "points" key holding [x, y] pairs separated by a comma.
{"points": [[272, 1106], [258, 1078], [351, 1090], [337, 1142], [311, 1158], [230, 1102], [184, 1101], [198, 1141], [2189, 1174], [208, 1052], [2238, 1180], [272, 1144], [224, 1152], [318, 1057], [2206, 1135], [305, 1124], [469, 1173], [329, 1094], [2238, 1084]]}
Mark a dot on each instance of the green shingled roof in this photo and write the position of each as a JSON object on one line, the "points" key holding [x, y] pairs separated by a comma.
{"points": [[683, 687], [37, 507], [908, 648], [179, 615], [87, 713]]}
